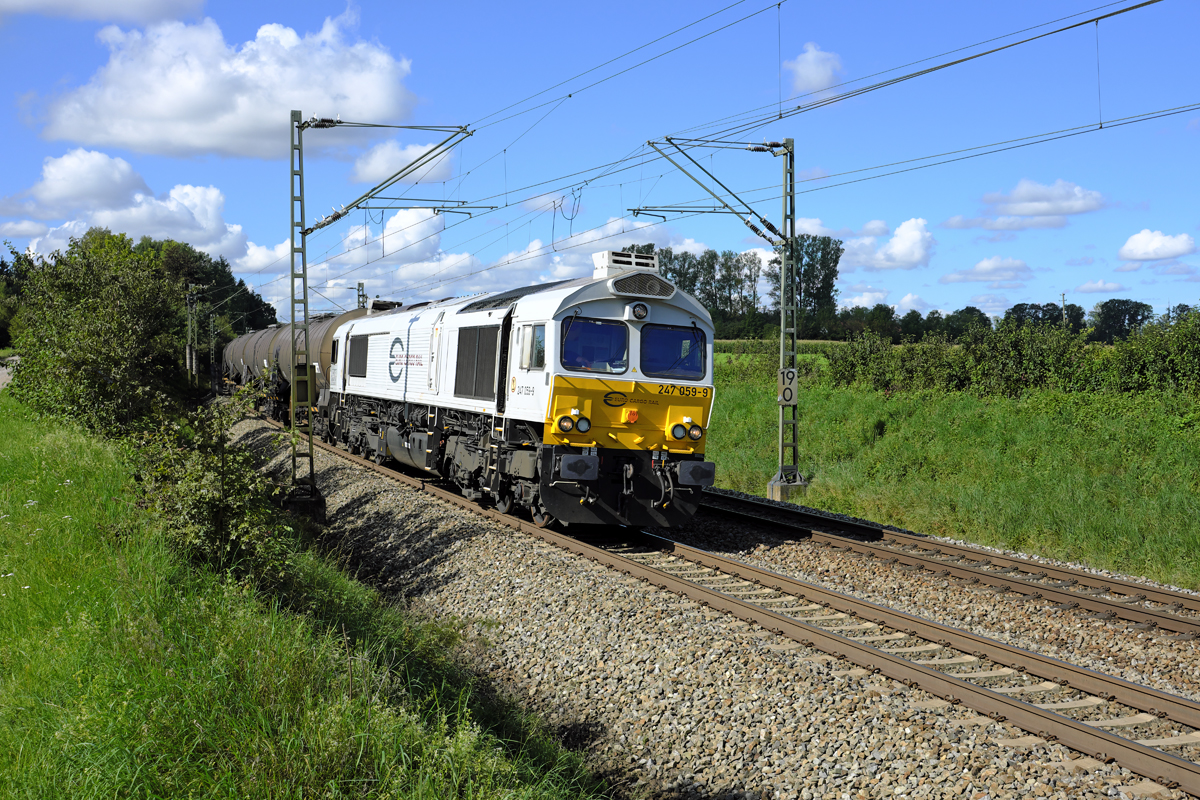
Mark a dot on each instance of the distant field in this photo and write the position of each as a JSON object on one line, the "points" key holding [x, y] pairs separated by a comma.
{"points": [[1110, 480]]}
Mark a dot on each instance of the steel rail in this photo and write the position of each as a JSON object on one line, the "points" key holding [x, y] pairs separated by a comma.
{"points": [[1146, 761], [1037, 570]]}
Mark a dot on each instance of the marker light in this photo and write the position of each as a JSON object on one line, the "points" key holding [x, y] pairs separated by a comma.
{"points": [[679, 431], [566, 424], [695, 432], [640, 310], [583, 424]]}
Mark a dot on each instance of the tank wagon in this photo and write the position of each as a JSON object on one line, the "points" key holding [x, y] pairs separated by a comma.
{"points": [[582, 401]]}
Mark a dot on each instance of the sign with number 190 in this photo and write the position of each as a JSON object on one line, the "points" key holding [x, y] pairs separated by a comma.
{"points": [[787, 387]]}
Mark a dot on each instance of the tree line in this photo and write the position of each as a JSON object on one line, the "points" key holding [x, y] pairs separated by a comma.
{"points": [[727, 284]]}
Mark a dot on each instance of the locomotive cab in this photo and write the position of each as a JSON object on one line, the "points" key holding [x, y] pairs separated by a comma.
{"points": [[630, 397]]}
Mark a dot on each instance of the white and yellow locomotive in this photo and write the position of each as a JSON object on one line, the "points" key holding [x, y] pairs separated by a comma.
{"points": [[584, 401]]}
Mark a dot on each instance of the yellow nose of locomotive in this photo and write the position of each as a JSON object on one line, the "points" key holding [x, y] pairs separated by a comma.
{"points": [[628, 415]]}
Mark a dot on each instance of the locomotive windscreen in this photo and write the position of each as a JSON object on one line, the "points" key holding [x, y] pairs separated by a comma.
{"points": [[475, 375], [595, 345], [673, 351]]}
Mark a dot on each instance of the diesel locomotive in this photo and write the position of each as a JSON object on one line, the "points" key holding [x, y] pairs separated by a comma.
{"points": [[584, 401]]}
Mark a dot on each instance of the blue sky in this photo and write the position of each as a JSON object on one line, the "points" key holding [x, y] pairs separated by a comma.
{"points": [[169, 118]]}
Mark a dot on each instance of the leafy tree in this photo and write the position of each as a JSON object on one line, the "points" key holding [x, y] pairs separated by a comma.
{"points": [[101, 332], [963, 320], [1179, 312], [750, 269], [882, 320], [1118, 318], [817, 259], [912, 325]]}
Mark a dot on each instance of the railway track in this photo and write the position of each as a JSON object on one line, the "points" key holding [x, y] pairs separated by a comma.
{"points": [[1049, 699], [1174, 613]]}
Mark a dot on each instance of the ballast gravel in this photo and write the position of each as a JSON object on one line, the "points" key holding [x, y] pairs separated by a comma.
{"points": [[669, 699], [1116, 647]]}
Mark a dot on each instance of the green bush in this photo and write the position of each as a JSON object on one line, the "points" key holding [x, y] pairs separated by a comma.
{"points": [[98, 333], [1013, 359]]}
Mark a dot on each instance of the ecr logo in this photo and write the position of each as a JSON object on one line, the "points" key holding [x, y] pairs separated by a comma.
{"points": [[397, 361], [615, 399]]}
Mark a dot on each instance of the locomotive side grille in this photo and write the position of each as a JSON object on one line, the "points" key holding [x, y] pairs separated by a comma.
{"points": [[642, 285], [356, 365]]}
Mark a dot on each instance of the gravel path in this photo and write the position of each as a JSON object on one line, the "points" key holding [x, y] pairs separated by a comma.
{"points": [[6, 373], [1115, 647], [675, 700]]}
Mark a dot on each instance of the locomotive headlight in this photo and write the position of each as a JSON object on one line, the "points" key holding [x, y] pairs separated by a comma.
{"points": [[695, 432], [583, 424], [566, 424], [679, 431], [640, 310]]}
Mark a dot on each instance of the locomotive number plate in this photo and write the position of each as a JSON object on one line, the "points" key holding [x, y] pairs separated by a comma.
{"points": [[684, 391]]}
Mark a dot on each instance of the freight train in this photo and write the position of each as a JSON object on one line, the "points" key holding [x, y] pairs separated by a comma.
{"points": [[584, 401]]}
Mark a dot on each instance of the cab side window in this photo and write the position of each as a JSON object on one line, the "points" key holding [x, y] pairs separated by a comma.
{"points": [[333, 358], [537, 356], [532, 342]]}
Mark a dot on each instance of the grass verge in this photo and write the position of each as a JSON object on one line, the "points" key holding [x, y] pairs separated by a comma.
{"points": [[1108, 480], [125, 672]]}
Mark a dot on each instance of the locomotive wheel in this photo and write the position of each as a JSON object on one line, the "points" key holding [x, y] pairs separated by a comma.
{"points": [[541, 518], [379, 457], [505, 503]]}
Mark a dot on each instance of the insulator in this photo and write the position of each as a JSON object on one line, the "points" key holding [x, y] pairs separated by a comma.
{"points": [[758, 148], [772, 228], [775, 145]]}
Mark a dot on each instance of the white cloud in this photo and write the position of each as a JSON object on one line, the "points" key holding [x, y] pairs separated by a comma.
{"points": [[181, 90], [259, 257], [910, 302], [23, 229], [812, 227], [993, 304], [814, 69], [1002, 273], [1032, 205], [387, 158], [875, 227], [1033, 199], [867, 296], [1100, 286], [105, 10], [1004, 223], [85, 188], [910, 247], [81, 179], [1083, 261], [192, 214], [1153, 245]]}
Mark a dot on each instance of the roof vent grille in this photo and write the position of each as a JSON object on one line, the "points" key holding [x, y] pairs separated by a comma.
{"points": [[642, 284]]}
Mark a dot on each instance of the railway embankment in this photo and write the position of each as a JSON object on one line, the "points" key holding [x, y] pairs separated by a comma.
{"points": [[669, 698], [129, 666]]}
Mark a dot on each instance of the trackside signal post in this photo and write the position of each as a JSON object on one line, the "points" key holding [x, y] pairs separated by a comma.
{"points": [[788, 479]]}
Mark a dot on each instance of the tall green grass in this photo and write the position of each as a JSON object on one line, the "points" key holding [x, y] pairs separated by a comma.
{"points": [[1112, 480], [124, 672]]}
